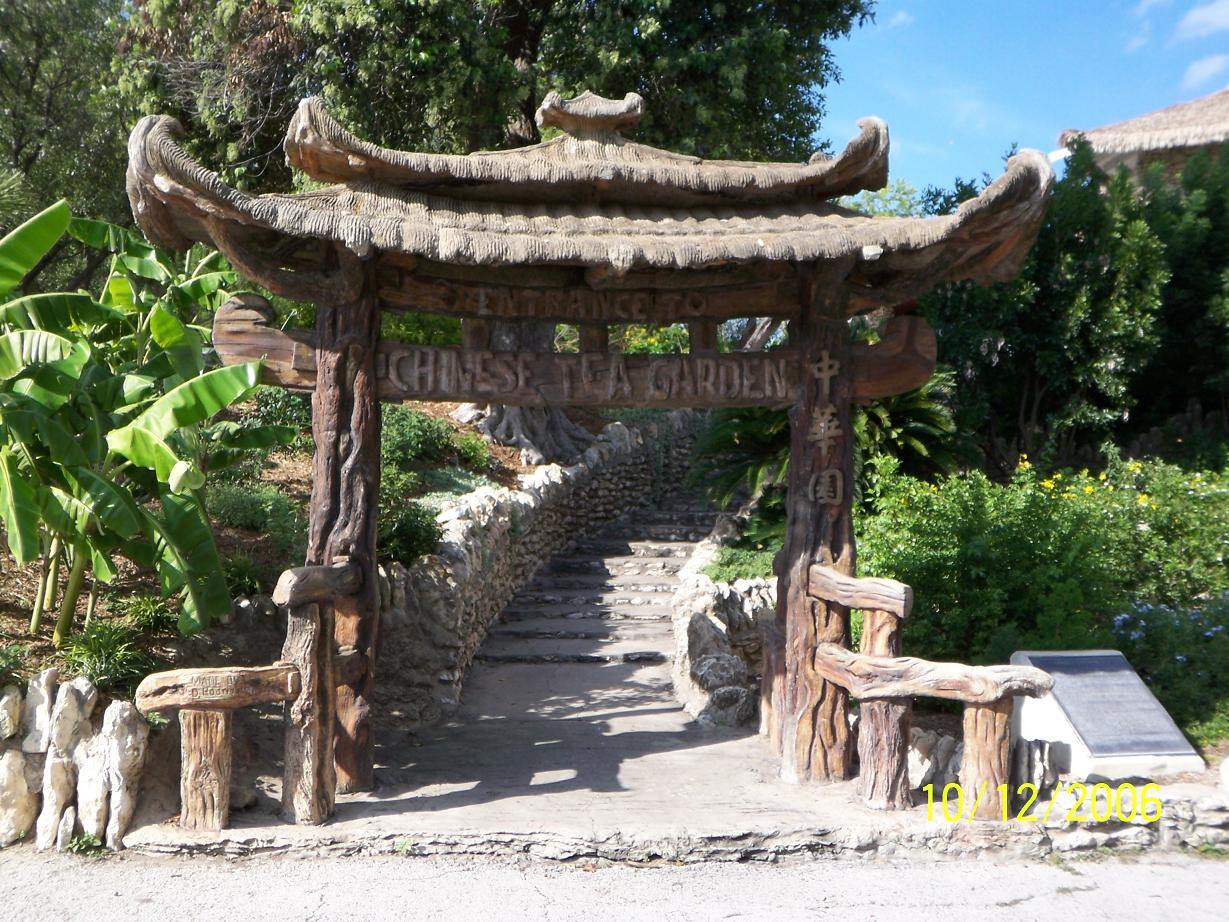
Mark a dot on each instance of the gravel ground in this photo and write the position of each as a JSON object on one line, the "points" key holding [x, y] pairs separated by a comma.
{"points": [[35, 887]]}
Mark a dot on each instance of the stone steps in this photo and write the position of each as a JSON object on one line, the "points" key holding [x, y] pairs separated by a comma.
{"points": [[585, 612], [605, 603], [569, 650], [643, 582], [604, 547], [657, 632], [622, 565], [598, 596]]}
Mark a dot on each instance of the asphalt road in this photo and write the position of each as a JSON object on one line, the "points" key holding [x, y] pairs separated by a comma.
{"points": [[34, 886]]}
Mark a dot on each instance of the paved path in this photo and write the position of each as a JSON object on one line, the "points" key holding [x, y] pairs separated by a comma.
{"points": [[35, 887]]}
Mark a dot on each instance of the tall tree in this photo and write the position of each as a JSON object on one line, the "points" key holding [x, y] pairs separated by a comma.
{"points": [[62, 130], [1190, 215], [1045, 362], [734, 79]]}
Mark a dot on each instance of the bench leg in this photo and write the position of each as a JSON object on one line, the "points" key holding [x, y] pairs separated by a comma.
{"points": [[204, 780]]}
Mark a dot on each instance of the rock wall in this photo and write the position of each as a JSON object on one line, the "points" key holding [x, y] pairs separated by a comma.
{"points": [[717, 637], [435, 613], [71, 771]]}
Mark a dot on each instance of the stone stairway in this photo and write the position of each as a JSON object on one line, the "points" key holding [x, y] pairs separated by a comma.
{"points": [[606, 600]]}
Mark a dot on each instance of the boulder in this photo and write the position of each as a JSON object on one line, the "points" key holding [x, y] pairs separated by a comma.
{"points": [[921, 744], [64, 832], [718, 670], [89, 695], [36, 711], [93, 786], [18, 804], [1224, 776], [10, 711], [126, 737], [60, 773]]}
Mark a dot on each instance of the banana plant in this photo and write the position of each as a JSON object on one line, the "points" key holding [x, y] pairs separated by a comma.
{"points": [[108, 419]]}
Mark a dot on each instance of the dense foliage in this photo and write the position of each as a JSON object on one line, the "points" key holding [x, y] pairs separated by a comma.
{"points": [[726, 79], [1044, 560], [107, 419]]}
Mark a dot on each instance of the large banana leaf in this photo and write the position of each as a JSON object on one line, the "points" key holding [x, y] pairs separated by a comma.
{"points": [[22, 348], [21, 250], [110, 237], [188, 560], [56, 312], [146, 449], [182, 344], [110, 503], [25, 420], [18, 508], [199, 399]]}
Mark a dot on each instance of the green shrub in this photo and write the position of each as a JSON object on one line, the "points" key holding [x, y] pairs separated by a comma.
{"points": [[11, 658], [396, 487], [408, 437], [472, 451], [1183, 655], [1043, 560], [145, 612], [109, 654], [407, 532], [736, 562], [276, 406], [260, 508], [243, 575]]}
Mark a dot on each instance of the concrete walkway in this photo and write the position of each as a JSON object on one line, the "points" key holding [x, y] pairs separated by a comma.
{"points": [[34, 886]]}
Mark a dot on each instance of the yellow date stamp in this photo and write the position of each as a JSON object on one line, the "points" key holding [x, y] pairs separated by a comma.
{"points": [[1084, 803]]}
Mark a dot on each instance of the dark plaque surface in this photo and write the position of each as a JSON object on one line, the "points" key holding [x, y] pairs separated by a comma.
{"points": [[1109, 705]]}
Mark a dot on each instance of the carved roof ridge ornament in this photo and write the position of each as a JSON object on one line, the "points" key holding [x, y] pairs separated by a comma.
{"points": [[589, 113]]}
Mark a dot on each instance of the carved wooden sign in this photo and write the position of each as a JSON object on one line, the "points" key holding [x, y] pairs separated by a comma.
{"points": [[903, 360]]}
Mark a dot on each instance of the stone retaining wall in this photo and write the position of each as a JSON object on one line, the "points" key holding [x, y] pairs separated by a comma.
{"points": [[717, 637], [435, 613], [67, 767]]}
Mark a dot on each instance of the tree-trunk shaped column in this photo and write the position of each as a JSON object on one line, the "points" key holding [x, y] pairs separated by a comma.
{"points": [[345, 489], [985, 762], [804, 715], [883, 726]]}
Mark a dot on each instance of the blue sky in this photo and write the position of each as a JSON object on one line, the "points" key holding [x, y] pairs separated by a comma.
{"points": [[958, 81]]}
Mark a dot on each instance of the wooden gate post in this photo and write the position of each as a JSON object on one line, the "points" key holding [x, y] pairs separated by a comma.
{"points": [[345, 490], [803, 714], [987, 747], [883, 726]]}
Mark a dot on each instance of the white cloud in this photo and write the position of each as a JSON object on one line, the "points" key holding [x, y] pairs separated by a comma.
{"points": [[900, 18], [1204, 70], [1140, 39], [1144, 7], [1204, 20]]}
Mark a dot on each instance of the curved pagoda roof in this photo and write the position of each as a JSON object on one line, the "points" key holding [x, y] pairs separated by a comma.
{"points": [[588, 198]]}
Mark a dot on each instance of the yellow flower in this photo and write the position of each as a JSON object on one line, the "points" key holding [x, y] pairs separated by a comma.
{"points": [[1135, 467], [1101, 476], [1088, 489], [1142, 499], [1048, 484]]}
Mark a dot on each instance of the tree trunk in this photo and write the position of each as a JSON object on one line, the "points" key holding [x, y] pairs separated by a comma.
{"points": [[804, 716], [985, 763], [345, 490], [883, 727], [309, 775], [543, 434], [204, 779]]}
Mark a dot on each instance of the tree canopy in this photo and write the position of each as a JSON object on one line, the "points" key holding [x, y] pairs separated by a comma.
{"points": [[719, 79]]}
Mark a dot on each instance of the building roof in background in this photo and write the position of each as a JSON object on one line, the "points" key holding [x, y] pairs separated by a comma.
{"points": [[1195, 123]]}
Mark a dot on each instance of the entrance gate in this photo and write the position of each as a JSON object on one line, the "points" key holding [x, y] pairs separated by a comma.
{"points": [[592, 229]]}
